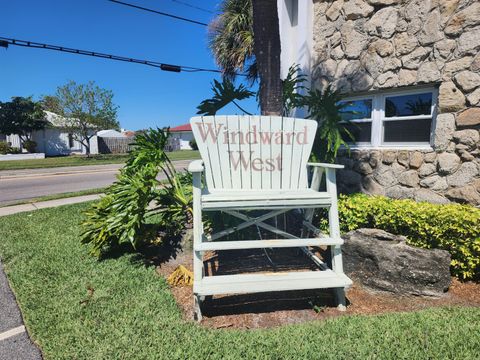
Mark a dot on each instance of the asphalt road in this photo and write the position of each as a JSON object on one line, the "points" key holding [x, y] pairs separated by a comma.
{"points": [[18, 185]]}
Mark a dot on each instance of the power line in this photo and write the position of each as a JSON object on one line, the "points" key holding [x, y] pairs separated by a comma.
{"points": [[193, 6], [5, 42], [159, 12]]}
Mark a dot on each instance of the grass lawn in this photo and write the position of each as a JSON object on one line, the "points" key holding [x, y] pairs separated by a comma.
{"points": [[79, 160], [78, 308]]}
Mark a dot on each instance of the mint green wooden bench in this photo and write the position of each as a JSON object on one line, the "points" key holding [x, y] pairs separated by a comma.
{"points": [[261, 163]]}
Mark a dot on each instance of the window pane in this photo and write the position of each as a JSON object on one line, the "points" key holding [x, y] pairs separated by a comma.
{"points": [[408, 105], [362, 132], [356, 109], [407, 131]]}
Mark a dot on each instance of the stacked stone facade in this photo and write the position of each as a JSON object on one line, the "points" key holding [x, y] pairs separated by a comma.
{"points": [[374, 45]]}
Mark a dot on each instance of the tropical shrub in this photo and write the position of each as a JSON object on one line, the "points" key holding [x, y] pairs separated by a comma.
{"points": [[451, 227], [4, 148], [30, 146], [121, 215]]}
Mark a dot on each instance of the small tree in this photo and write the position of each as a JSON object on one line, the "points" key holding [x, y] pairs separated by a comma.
{"points": [[86, 109], [21, 116]]}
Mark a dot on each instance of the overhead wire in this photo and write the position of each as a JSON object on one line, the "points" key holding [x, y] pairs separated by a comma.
{"points": [[5, 42], [159, 12]]}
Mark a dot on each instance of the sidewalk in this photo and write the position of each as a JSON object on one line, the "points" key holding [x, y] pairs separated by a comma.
{"points": [[9, 210], [14, 340]]}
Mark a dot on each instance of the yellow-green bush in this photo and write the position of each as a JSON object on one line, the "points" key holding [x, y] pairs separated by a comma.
{"points": [[451, 227]]}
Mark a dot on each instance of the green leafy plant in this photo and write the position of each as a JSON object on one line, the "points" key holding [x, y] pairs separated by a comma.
{"points": [[224, 93], [451, 227], [121, 216], [30, 146], [4, 148], [332, 133], [292, 86], [193, 144]]}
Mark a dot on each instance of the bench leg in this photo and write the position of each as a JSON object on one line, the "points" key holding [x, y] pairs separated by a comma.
{"points": [[340, 299], [197, 308]]}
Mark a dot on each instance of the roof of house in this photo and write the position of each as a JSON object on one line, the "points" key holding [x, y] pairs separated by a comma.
{"points": [[185, 127], [128, 133], [110, 133], [55, 120]]}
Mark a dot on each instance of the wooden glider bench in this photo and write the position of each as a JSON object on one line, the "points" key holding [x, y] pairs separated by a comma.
{"points": [[261, 163]]}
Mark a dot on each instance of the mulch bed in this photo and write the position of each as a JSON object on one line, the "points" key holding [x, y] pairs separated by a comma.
{"points": [[263, 310]]}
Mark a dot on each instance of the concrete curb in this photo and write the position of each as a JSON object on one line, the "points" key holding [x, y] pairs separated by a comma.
{"points": [[10, 210]]}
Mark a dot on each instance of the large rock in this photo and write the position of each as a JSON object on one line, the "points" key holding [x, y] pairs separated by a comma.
{"points": [[465, 174], [356, 9], [448, 163], [469, 16], [383, 261], [354, 42], [429, 196], [409, 178], [467, 80], [405, 43], [469, 137], [413, 60], [466, 194], [430, 32], [444, 131], [474, 98], [383, 22], [428, 72], [450, 98], [469, 42], [334, 10], [469, 117]]}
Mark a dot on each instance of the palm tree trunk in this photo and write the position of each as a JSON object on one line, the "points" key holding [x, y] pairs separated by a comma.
{"points": [[267, 53]]}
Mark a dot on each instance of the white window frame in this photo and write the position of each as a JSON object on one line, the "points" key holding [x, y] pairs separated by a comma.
{"points": [[378, 118]]}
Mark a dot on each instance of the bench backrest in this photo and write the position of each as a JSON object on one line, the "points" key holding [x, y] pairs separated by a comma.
{"points": [[254, 152]]}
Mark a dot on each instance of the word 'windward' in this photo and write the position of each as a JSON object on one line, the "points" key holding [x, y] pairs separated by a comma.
{"points": [[221, 134]]}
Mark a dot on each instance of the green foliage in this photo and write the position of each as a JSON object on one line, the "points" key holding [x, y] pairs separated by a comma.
{"points": [[292, 86], [193, 144], [325, 107], [21, 116], [4, 148], [224, 93], [121, 216], [77, 308], [85, 108], [30, 146], [451, 227], [231, 38]]}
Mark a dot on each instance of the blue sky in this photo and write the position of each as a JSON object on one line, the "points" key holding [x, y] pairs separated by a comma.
{"points": [[147, 96]]}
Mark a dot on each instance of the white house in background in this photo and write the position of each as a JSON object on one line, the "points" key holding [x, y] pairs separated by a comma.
{"points": [[184, 135], [55, 140]]}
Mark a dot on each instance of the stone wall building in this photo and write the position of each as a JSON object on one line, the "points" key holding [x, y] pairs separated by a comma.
{"points": [[410, 73]]}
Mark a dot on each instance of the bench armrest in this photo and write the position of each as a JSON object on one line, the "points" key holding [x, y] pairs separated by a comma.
{"points": [[196, 166], [326, 165]]}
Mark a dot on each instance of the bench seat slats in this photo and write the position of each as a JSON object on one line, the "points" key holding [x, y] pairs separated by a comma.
{"points": [[265, 282], [260, 244]]}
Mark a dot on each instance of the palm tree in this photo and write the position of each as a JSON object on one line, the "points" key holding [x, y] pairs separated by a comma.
{"points": [[231, 38], [267, 54], [232, 43]]}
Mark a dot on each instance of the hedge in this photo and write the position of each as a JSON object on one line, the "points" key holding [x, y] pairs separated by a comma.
{"points": [[451, 227]]}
